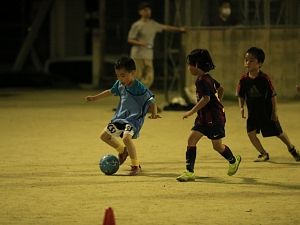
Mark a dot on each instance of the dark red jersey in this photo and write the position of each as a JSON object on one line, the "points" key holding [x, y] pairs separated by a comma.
{"points": [[212, 113], [258, 93]]}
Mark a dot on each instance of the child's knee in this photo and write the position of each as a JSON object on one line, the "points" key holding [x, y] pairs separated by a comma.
{"points": [[281, 135], [127, 139], [105, 136], [251, 135]]}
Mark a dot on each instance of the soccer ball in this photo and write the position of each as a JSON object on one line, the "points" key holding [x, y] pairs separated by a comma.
{"points": [[109, 164]]}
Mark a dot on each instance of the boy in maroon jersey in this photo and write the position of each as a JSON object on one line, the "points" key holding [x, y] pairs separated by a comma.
{"points": [[257, 89], [210, 120]]}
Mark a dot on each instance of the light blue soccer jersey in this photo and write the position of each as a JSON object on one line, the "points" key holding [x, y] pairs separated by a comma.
{"points": [[133, 105]]}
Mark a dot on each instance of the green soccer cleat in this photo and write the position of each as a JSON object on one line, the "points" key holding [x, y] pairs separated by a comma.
{"points": [[186, 176], [233, 168]]}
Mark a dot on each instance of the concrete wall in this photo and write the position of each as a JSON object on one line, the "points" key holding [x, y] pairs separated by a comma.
{"points": [[227, 48], [67, 31]]}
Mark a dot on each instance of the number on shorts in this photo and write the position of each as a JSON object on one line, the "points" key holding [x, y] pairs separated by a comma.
{"points": [[111, 128], [128, 128]]}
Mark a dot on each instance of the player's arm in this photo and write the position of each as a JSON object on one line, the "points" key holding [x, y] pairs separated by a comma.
{"points": [[203, 101], [274, 115], [241, 105], [172, 28], [220, 92], [136, 42], [103, 94]]}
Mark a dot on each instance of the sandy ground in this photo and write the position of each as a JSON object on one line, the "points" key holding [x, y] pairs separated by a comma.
{"points": [[50, 149]]}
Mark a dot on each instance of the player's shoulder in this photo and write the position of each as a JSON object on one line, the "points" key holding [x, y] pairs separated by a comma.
{"points": [[137, 23], [263, 74], [139, 87], [244, 76], [207, 78], [139, 84]]}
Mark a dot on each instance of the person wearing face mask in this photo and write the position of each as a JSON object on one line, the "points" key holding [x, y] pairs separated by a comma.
{"points": [[224, 18]]}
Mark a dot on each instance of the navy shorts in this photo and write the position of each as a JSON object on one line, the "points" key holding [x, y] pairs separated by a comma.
{"points": [[211, 132], [268, 128]]}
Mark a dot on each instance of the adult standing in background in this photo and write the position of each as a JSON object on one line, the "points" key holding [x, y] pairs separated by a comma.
{"points": [[224, 18], [141, 36]]}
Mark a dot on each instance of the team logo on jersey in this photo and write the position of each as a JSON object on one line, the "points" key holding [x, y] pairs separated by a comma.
{"points": [[254, 92]]}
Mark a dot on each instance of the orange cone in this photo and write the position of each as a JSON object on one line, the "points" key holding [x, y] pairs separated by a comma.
{"points": [[109, 218]]}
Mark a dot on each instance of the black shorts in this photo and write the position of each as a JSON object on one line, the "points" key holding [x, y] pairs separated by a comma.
{"points": [[268, 128], [211, 132]]}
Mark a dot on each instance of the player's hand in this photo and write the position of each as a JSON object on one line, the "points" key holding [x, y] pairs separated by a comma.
{"points": [[154, 116], [242, 113], [182, 29], [187, 114], [274, 116], [298, 88], [90, 98]]}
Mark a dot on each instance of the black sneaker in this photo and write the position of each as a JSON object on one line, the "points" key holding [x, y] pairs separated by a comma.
{"points": [[297, 157], [262, 158]]}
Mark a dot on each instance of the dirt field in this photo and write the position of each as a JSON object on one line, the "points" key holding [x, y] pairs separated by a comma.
{"points": [[50, 149]]}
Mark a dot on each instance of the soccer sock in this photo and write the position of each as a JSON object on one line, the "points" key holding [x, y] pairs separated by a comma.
{"points": [[135, 162], [120, 148], [190, 156], [227, 154], [293, 151]]}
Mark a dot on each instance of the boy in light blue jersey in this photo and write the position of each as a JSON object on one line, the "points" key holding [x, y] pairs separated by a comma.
{"points": [[135, 101]]}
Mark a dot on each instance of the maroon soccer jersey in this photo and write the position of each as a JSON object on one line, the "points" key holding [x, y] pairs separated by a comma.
{"points": [[258, 93], [212, 113]]}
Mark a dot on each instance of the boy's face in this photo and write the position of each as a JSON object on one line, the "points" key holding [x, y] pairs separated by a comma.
{"points": [[251, 63], [126, 78], [145, 13], [195, 70], [225, 9]]}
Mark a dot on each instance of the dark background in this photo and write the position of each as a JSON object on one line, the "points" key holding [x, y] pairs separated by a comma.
{"points": [[17, 16]]}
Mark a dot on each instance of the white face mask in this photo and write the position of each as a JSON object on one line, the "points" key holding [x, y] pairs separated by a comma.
{"points": [[226, 11]]}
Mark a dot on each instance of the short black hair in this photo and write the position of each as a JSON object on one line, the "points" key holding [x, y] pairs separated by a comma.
{"points": [[143, 5], [258, 53], [125, 62], [200, 58], [223, 2]]}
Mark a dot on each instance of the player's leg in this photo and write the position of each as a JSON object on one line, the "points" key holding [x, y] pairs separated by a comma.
{"points": [[127, 139], [253, 127], [139, 63], [108, 136], [148, 73], [275, 129], [225, 151], [215, 134], [191, 150], [256, 142], [108, 139], [190, 156], [135, 165], [144, 71], [263, 156]]}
